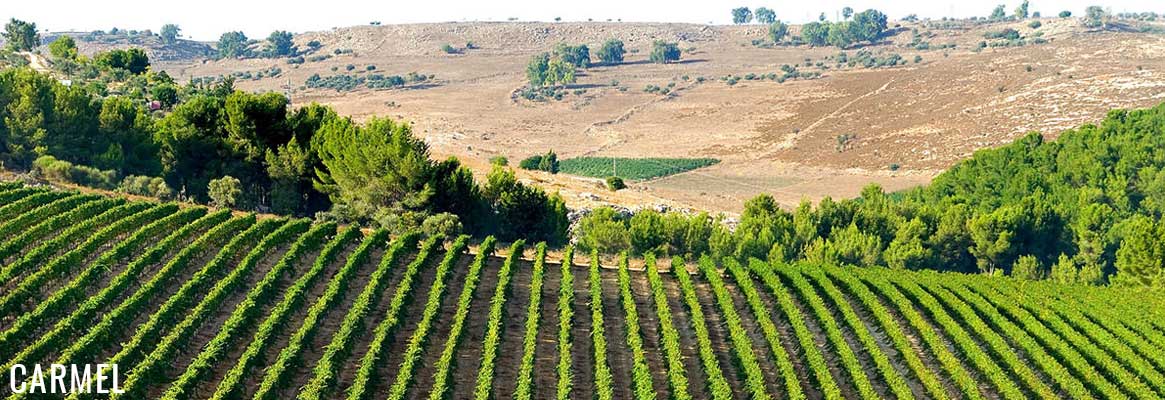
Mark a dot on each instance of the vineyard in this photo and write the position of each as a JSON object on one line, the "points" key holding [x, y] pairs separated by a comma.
{"points": [[632, 168], [194, 303]]}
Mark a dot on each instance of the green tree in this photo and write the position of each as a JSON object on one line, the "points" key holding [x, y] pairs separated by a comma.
{"points": [[524, 211], [647, 231], [664, 52], [559, 72], [612, 52], [578, 56], [1064, 270], [841, 35], [867, 26], [777, 31], [1096, 17], [169, 33], [847, 12], [741, 15], [279, 44], [1027, 268], [1065, 14], [1141, 256], [375, 167], [907, 251], [1021, 11], [64, 48], [289, 167], [537, 68], [998, 13], [815, 33], [166, 94], [232, 45], [21, 35], [765, 15], [604, 231], [224, 192], [133, 60]]}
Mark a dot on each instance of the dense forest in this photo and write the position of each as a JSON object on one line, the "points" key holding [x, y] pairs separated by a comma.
{"points": [[215, 144], [1084, 208]]}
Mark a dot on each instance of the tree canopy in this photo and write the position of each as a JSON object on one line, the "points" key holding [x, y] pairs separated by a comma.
{"points": [[21, 35], [741, 15]]}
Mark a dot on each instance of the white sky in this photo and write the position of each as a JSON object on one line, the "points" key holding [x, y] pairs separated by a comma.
{"points": [[207, 19]]}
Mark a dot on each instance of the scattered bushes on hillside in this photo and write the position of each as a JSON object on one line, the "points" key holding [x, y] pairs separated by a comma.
{"points": [[866, 26], [343, 83], [1006, 33]]}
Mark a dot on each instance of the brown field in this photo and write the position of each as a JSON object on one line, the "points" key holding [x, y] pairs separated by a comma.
{"points": [[778, 138]]}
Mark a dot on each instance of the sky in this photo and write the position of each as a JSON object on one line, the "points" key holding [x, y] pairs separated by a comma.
{"points": [[207, 19]]}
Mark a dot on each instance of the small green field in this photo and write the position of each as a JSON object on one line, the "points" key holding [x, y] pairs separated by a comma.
{"points": [[632, 168]]}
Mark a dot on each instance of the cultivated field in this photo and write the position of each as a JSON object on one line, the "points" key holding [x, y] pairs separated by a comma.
{"points": [[197, 303], [906, 122]]}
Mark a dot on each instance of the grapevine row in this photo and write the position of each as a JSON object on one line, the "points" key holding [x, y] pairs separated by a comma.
{"points": [[247, 310], [565, 321], [54, 222], [416, 344], [76, 321], [60, 266], [276, 375], [324, 374], [670, 338], [392, 319], [833, 334], [493, 334], [603, 378], [769, 329], [741, 344], [716, 384], [231, 384], [525, 388], [640, 372]]}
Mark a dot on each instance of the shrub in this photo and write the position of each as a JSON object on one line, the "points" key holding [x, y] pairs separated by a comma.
{"points": [[1006, 33], [541, 162], [1065, 14], [611, 52], [578, 56], [663, 52], [499, 160], [615, 183], [224, 192], [1035, 24], [146, 186], [349, 67], [445, 224], [448, 49], [52, 168], [295, 60]]}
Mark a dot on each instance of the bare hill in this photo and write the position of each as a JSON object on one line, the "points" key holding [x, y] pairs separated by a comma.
{"points": [[804, 138]]}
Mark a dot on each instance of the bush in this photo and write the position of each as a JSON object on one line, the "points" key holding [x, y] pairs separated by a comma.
{"points": [[52, 168], [1035, 24], [448, 49], [349, 67], [541, 162], [611, 52], [295, 60], [1065, 14], [499, 160], [615, 183], [663, 52], [577, 56], [446, 224], [146, 186], [1006, 33], [224, 192]]}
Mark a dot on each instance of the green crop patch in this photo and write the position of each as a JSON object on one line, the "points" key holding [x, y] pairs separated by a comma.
{"points": [[632, 168]]}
